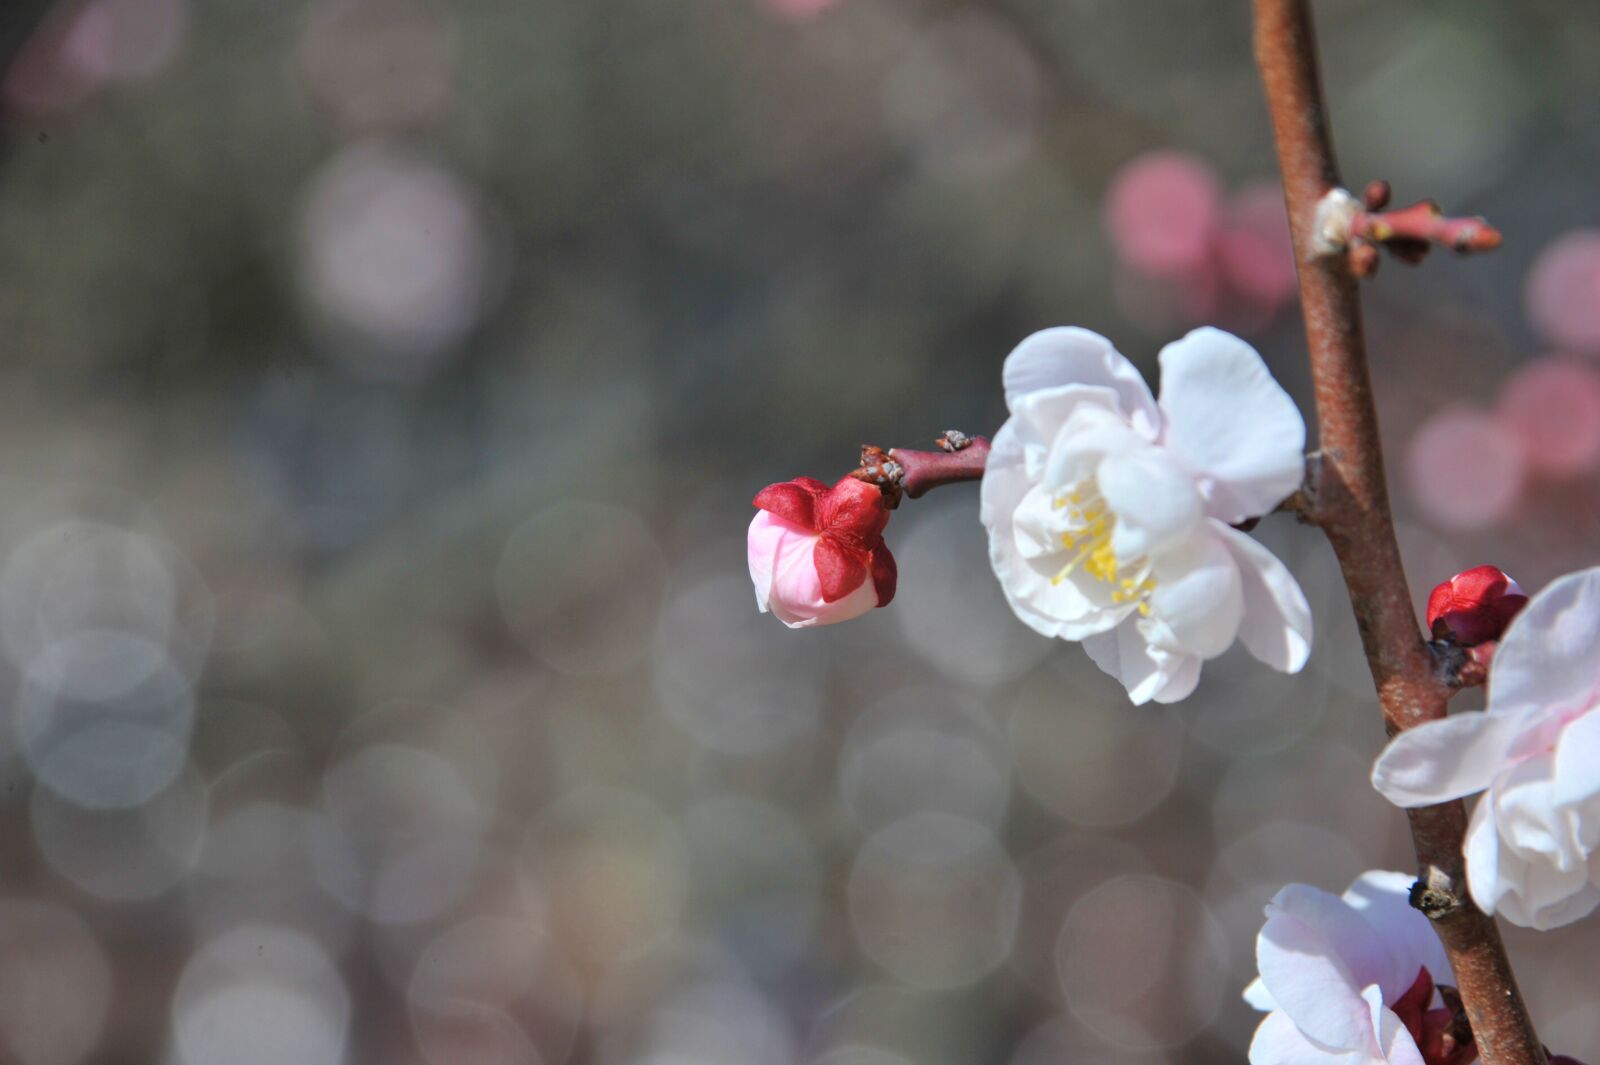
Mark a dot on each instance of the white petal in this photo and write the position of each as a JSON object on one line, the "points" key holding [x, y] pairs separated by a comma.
{"points": [[1312, 955], [1124, 653], [1183, 677], [1069, 355], [762, 549], [1153, 497], [1277, 619], [1482, 851], [1004, 483], [1228, 419], [1198, 596], [1040, 525], [1442, 760], [1044, 418], [1278, 1042], [1084, 438], [1578, 760], [1384, 900], [1256, 994], [1394, 1042], [1548, 655], [1529, 822]]}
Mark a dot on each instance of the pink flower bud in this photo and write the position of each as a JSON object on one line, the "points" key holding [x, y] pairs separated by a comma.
{"points": [[1475, 606], [817, 554]]}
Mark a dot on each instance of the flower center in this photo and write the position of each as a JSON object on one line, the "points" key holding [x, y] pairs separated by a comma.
{"points": [[1089, 538]]}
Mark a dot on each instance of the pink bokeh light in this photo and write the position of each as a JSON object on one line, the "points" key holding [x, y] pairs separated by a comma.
{"points": [[1552, 405], [1254, 247], [1563, 292], [798, 10], [1161, 211], [1464, 469]]}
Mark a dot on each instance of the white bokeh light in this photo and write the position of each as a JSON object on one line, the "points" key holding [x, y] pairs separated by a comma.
{"points": [[934, 899], [396, 255], [123, 854], [1143, 963], [400, 834], [260, 995], [493, 990], [1086, 755], [924, 748], [104, 718]]}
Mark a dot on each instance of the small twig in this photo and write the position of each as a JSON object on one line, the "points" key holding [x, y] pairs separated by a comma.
{"points": [[1352, 508], [1459, 667], [901, 471], [1357, 230]]}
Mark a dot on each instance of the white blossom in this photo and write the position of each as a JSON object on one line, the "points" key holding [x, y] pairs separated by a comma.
{"points": [[1533, 846], [1333, 968], [1109, 514]]}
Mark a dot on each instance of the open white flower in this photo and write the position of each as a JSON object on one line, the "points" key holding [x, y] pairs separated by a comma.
{"points": [[1110, 514], [1349, 979], [1533, 847]]}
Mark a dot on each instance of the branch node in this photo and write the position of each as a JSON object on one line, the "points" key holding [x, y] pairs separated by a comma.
{"points": [[1435, 895], [1332, 226]]}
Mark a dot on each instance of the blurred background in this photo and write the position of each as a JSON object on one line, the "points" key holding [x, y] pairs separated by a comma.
{"points": [[383, 385]]}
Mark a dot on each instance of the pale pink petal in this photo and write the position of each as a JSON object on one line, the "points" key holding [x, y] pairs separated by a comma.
{"points": [[768, 533], [1256, 994], [1547, 657], [1384, 900], [1482, 851], [1277, 619], [1308, 954], [1068, 355], [1442, 760], [1394, 1043], [1279, 1042], [1231, 423], [1578, 760]]}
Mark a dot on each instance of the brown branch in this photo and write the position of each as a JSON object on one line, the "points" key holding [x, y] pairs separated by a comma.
{"points": [[1352, 507], [902, 471]]}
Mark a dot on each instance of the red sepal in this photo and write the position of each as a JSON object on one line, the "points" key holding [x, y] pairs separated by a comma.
{"points": [[840, 567], [794, 501], [854, 511], [884, 573], [1410, 1006]]}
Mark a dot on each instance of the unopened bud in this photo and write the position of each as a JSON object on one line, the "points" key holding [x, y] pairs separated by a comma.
{"points": [[1475, 606]]}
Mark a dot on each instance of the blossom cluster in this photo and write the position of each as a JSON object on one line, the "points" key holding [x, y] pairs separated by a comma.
{"points": [[1116, 519]]}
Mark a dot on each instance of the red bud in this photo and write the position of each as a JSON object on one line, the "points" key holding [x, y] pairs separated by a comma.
{"points": [[1475, 606]]}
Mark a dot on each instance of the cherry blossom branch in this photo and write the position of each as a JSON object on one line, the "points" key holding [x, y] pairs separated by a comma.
{"points": [[902, 471], [1352, 507]]}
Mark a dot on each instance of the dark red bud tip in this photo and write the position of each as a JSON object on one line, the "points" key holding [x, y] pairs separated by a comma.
{"points": [[1474, 606]]}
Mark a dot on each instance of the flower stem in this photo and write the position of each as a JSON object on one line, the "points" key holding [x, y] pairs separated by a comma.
{"points": [[904, 471], [1351, 505]]}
